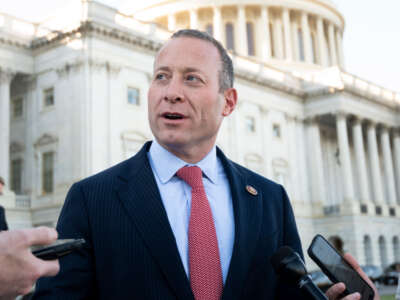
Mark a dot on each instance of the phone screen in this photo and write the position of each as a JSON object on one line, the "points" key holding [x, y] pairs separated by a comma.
{"points": [[337, 268]]}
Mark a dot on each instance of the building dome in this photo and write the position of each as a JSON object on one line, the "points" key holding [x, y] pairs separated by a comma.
{"points": [[290, 34]]}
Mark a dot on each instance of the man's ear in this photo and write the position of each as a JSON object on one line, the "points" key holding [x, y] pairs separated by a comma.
{"points": [[230, 97]]}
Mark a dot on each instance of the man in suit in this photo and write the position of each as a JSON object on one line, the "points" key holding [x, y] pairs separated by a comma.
{"points": [[3, 221], [157, 229]]}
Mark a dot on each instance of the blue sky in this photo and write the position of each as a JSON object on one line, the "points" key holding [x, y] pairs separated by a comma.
{"points": [[371, 39]]}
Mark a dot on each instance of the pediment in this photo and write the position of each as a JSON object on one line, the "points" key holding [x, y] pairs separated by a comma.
{"points": [[46, 139]]}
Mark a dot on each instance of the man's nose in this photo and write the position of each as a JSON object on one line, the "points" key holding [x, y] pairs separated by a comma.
{"points": [[174, 91]]}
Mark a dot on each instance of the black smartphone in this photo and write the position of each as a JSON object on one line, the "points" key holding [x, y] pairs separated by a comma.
{"points": [[57, 249], [337, 268]]}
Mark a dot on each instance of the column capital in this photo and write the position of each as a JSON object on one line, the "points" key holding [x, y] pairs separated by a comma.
{"points": [[6, 76], [356, 120], [340, 114]]}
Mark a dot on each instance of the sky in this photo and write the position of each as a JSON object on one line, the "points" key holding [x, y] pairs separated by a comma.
{"points": [[371, 38]]}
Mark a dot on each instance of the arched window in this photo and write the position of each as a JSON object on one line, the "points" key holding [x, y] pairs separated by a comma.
{"points": [[250, 39], [209, 29], [301, 44], [369, 260], [382, 251], [271, 39], [229, 33], [337, 242], [396, 248]]}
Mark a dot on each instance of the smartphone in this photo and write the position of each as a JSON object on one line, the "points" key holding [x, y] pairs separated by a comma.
{"points": [[337, 268], [57, 249]]}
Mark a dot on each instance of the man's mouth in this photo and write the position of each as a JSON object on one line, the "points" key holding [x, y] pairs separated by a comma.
{"points": [[173, 116]]}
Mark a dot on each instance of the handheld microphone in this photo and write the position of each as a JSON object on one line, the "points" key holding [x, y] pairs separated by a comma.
{"points": [[289, 266]]}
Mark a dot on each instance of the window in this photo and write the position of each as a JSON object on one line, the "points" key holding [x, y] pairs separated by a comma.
{"points": [[48, 97], [276, 130], [48, 172], [250, 124], [209, 29], [17, 107], [16, 176], [230, 42], [133, 96], [301, 45], [250, 39]]}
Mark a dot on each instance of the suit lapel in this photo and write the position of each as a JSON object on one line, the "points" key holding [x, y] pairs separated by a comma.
{"points": [[248, 215], [140, 196]]}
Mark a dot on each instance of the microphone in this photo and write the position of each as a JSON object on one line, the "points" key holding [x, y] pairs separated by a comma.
{"points": [[289, 266]]}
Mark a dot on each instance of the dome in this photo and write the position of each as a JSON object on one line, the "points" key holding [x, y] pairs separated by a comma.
{"points": [[291, 34]]}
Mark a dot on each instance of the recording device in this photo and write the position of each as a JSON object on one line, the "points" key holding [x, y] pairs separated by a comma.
{"points": [[57, 249], [337, 268], [290, 267]]}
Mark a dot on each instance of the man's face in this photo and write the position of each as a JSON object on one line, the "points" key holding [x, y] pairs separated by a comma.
{"points": [[185, 106]]}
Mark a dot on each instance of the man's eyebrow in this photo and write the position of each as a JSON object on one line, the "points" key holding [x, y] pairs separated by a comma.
{"points": [[163, 68]]}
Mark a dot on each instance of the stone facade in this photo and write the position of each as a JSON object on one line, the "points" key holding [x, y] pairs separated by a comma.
{"points": [[73, 102]]}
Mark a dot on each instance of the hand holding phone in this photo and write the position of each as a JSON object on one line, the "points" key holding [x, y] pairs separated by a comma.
{"points": [[57, 249], [338, 269]]}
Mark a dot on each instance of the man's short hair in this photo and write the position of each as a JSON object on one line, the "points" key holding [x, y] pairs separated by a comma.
{"points": [[225, 75]]}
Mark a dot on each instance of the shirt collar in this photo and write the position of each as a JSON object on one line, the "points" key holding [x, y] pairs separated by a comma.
{"points": [[165, 164]]}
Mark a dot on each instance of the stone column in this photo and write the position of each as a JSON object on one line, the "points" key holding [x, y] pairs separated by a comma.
{"points": [[396, 144], [217, 23], [332, 45], [265, 38], [242, 32], [374, 160], [361, 163], [388, 166], [305, 29], [5, 80], [339, 48], [323, 59], [194, 23], [344, 150], [318, 190], [171, 22], [287, 34]]}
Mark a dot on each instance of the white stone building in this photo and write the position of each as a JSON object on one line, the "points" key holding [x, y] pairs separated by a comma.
{"points": [[73, 102]]}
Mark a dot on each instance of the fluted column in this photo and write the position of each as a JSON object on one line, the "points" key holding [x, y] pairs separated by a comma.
{"points": [[321, 42], [344, 150], [278, 38], [5, 80], [396, 144], [171, 22], [266, 35], [242, 34], [374, 160], [217, 23], [317, 171], [361, 163], [194, 23], [306, 37], [388, 166], [332, 47], [287, 34], [339, 48]]}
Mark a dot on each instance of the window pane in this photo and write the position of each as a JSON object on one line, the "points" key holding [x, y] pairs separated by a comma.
{"points": [[250, 124], [16, 175], [48, 97], [276, 130], [18, 107], [133, 96], [47, 172], [230, 42], [250, 39]]}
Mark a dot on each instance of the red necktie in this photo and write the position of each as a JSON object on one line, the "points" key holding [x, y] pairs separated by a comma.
{"points": [[204, 262]]}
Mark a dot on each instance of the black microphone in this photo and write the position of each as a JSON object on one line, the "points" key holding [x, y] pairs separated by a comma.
{"points": [[289, 266]]}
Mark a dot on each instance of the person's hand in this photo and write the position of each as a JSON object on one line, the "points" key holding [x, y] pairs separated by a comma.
{"points": [[19, 268], [333, 293]]}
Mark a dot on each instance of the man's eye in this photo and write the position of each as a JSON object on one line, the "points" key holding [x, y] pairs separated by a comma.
{"points": [[160, 76], [191, 78]]}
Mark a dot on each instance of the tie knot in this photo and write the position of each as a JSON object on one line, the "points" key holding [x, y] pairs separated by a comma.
{"points": [[191, 175]]}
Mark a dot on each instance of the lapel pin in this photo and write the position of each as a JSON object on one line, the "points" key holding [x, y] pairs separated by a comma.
{"points": [[251, 190]]}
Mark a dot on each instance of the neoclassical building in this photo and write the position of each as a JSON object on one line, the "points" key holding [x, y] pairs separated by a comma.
{"points": [[73, 102]]}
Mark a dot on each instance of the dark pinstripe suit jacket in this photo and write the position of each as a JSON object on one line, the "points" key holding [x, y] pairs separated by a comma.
{"points": [[3, 222], [132, 252]]}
